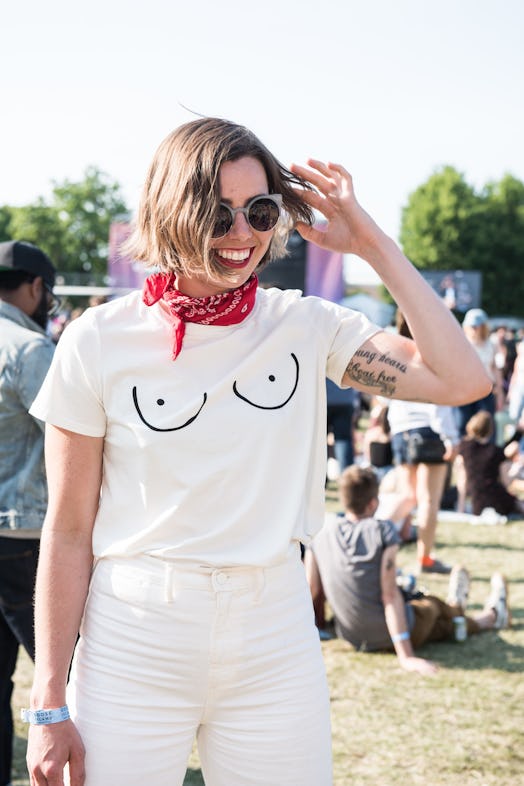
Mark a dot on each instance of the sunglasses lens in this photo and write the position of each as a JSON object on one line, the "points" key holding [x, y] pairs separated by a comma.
{"points": [[263, 214], [223, 223], [54, 306]]}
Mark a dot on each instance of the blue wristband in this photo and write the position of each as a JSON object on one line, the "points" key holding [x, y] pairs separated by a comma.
{"points": [[404, 636], [45, 717]]}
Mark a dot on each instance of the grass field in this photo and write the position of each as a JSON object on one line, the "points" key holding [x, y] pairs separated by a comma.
{"points": [[462, 727]]}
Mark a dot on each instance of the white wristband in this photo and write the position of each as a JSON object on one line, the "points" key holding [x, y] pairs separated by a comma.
{"points": [[45, 717], [404, 636]]}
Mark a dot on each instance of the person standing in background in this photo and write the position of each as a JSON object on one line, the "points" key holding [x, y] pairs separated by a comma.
{"points": [[421, 483], [475, 326], [27, 278], [516, 385], [342, 405], [504, 343]]}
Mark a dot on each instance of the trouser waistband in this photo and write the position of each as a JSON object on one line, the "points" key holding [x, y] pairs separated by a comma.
{"points": [[175, 574]]}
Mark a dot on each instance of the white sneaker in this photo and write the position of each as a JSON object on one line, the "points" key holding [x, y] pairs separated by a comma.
{"points": [[498, 601], [490, 516], [458, 589]]}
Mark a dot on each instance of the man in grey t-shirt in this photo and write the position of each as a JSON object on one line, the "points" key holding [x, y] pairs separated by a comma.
{"points": [[352, 564]]}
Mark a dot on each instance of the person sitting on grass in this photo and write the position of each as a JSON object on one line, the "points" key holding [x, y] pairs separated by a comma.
{"points": [[482, 470], [351, 563]]}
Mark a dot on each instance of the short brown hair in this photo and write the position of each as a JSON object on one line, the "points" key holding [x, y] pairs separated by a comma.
{"points": [[179, 200], [357, 487], [480, 425]]}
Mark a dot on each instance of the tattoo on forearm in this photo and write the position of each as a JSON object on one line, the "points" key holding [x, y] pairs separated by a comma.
{"points": [[385, 382], [389, 564]]}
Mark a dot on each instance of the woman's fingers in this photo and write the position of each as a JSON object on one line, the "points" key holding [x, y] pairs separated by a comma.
{"points": [[320, 180], [311, 198], [332, 180], [313, 235], [317, 202]]}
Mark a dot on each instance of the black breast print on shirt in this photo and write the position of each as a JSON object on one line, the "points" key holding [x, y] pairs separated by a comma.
{"points": [[161, 402], [271, 378]]}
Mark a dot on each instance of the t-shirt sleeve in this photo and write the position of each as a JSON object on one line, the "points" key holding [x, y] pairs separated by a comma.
{"points": [[390, 534], [71, 394], [348, 331]]}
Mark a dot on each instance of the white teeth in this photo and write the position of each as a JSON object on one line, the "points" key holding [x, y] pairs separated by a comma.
{"points": [[235, 256]]}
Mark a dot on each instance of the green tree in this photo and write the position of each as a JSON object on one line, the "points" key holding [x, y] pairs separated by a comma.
{"points": [[86, 211], [73, 226], [40, 224], [434, 222], [5, 220], [501, 252], [447, 225]]}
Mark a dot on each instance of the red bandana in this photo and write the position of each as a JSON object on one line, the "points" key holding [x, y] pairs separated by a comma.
{"points": [[227, 308]]}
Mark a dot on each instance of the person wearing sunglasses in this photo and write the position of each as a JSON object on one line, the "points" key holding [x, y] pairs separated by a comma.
{"points": [[186, 453], [27, 277]]}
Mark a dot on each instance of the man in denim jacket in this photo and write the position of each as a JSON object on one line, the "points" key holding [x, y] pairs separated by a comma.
{"points": [[27, 278]]}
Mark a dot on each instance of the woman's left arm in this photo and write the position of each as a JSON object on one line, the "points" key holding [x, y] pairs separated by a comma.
{"points": [[439, 365]]}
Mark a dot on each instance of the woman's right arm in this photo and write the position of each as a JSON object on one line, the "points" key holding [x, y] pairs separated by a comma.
{"points": [[74, 473]]}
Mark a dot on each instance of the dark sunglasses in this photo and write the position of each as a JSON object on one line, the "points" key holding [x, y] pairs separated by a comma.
{"points": [[53, 302], [261, 213]]}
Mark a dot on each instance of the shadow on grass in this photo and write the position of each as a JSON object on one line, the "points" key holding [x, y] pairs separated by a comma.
{"points": [[193, 778], [479, 546], [484, 651]]}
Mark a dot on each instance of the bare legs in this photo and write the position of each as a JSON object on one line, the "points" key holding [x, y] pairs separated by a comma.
{"points": [[430, 480]]}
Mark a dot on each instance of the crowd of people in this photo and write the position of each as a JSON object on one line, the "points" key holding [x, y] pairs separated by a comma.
{"points": [[413, 460], [480, 466], [171, 524]]}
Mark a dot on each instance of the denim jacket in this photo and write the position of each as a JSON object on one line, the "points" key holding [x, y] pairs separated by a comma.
{"points": [[25, 356]]}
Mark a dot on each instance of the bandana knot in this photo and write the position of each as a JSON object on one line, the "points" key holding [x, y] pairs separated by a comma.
{"points": [[226, 308]]}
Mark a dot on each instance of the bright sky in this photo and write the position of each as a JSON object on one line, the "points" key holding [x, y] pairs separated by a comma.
{"points": [[392, 89]]}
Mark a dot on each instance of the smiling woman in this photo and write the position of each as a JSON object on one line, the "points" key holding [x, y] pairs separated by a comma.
{"points": [[186, 459], [199, 172], [240, 241]]}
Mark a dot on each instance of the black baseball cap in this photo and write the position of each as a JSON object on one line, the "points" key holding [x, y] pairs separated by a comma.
{"points": [[26, 258]]}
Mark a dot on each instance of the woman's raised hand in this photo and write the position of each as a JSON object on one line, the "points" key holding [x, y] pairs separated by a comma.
{"points": [[349, 229]]}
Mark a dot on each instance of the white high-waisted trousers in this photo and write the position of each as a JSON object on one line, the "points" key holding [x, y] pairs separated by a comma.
{"points": [[170, 651]]}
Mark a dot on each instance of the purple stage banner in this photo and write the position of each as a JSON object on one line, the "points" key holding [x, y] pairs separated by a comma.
{"points": [[123, 271], [324, 273]]}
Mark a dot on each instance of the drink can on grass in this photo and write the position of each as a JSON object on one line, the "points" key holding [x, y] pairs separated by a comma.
{"points": [[460, 628]]}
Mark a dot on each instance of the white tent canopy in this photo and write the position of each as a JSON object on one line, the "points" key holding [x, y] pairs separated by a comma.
{"points": [[374, 309]]}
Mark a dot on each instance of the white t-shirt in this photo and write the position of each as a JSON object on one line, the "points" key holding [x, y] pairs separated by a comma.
{"points": [[405, 415], [486, 352], [217, 457]]}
